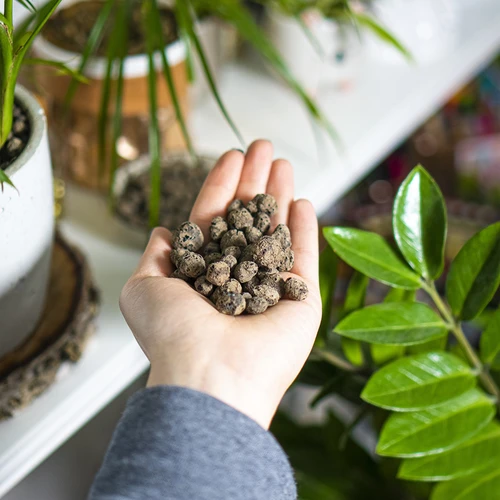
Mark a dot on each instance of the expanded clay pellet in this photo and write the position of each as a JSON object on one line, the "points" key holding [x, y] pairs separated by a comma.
{"points": [[239, 268]]}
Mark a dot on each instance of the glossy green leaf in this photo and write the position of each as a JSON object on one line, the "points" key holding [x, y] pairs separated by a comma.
{"points": [[354, 299], [370, 254], [381, 353], [482, 486], [433, 345], [475, 274], [419, 222], [490, 342], [437, 429], [328, 263], [419, 382], [391, 323], [400, 295], [480, 452]]}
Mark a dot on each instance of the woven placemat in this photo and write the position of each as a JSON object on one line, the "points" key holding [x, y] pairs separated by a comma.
{"points": [[61, 335]]}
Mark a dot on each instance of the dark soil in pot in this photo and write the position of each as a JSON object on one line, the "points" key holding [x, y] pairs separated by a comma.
{"points": [[180, 184], [18, 137], [70, 27]]}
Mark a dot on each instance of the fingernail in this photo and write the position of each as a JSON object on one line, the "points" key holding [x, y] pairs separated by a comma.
{"points": [[236, 149]]}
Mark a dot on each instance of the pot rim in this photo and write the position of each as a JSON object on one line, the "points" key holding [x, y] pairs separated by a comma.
{"points": [[136, 167], [135, 66], [37, 120]]}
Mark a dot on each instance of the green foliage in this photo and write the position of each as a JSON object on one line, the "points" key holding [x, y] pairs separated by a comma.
{"points": [[403, 323], [354, 299], [13, 50], [418, 382], [326, 472], [370, 254], [484, 486], [490, 342], [480, 452], [328, 263], [436, 429], [436, 404], [420, 223], [475, 274], [14, 46]]}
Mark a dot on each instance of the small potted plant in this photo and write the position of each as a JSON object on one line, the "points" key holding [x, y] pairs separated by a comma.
{"points": [[26, 195], [320, 40], [112, 43], [413, 365]]}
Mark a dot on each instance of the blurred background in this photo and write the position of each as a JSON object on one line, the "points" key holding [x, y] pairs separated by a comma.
{"points": [[353, 94]]}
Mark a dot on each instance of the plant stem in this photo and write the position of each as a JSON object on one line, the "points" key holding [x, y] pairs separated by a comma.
{"points": [[485, 378], [334, 360], [8, 10]]}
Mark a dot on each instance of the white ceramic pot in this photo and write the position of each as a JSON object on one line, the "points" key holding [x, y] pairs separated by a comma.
{"points": [[427, 28], [341, 50], [26, 232]]}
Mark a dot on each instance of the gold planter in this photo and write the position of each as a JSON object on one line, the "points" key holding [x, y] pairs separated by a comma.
{"points": [[74, 133]]}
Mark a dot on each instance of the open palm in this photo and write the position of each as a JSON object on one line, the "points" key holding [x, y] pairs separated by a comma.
{"points": [[246, 361]]}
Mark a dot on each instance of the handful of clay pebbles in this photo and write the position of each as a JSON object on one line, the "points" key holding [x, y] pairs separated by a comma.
{"points": [[239, 268]]}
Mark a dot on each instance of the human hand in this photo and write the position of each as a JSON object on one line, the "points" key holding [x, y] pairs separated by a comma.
{"points": [[247, 361]]}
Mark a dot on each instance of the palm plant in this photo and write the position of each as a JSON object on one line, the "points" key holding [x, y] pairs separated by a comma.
{"points": [[113, 20], [14, 46]]}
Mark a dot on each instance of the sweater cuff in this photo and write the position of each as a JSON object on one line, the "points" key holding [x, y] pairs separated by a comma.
{"points": [[177, 443]]}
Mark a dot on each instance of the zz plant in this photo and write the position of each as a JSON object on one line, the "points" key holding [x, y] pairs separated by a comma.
{"points": [[437, 391]]}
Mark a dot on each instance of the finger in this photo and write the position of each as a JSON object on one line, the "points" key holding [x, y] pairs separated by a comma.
{"points": [[218, 190], [156, 258], [304, 230], [281, 186], [256, 170]]}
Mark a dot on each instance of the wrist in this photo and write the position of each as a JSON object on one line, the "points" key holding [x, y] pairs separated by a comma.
{"points": [[224, 385]]}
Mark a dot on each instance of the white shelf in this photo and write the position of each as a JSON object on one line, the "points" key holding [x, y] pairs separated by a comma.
{"points": [[384, 107], [110, 363]]}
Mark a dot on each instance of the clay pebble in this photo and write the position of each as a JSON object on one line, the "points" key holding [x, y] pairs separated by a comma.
{"points": [[239, 268], [256, 305], [188, 236], [218, 273], [252, 234], [262, 222], [203, 286], [240, 219], [267, 292], [268, 252], [233, 238], [230, 260], [231, 303], [191, 264], [296, 289], [218, 228], [245, 271]]}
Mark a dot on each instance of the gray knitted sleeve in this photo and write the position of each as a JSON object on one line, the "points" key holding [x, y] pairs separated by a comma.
{"points": [[174, 443]]}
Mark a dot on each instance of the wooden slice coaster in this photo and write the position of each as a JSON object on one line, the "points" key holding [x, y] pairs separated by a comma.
{"points": [[61, 335]]}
